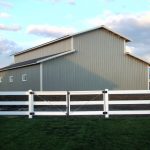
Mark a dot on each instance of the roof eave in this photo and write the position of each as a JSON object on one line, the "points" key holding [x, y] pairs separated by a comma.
{"points": [[21, 66], [138, 58], [56, 56], [104, 27], [41, 45], [40, 61]]}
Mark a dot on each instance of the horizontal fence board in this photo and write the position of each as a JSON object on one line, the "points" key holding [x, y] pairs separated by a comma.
{"points": [[48, 113], [14, 113], [68, 102], [86, 102], [14, 102], [129, 92], [50, 92], [128, 112], [50, 103], [13, 93], [124, 102], [80, 113], [85, 92]]}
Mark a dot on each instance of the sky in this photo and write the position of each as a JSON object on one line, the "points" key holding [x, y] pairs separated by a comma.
{"points": [[24, 24]]}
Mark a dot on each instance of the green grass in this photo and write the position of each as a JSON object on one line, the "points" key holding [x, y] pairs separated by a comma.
{"points": [[74, 133]]}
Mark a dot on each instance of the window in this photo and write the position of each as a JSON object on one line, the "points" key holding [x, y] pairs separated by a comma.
{"points": [[0, 79], [24, 77], [11, 78]]}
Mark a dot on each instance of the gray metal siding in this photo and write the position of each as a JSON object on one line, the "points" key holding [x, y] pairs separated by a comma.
{"points": [[50, 49], [33, 79], [99, 63]]}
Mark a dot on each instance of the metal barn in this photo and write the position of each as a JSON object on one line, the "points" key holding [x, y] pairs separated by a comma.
{"points": [[90, 60]]}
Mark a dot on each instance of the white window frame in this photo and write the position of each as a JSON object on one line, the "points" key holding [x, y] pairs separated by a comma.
{"points": [[0, 79], [24, 77], [11, 79]]}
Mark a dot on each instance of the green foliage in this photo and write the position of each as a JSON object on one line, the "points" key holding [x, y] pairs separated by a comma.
{"points": [[74, 133]]}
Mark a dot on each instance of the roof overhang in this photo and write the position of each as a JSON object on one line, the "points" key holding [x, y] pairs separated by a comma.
{"points": [[40, 60], [138, 58], [56, 56], [21, 66], [105, 28], [41, 45]]}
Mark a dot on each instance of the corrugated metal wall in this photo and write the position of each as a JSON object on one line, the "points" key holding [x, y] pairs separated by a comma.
{"points": [[99, 63], [33, 79], [50, 49]]}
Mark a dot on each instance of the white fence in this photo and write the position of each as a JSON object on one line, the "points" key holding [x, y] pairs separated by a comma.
{"points": [[105, 103]]}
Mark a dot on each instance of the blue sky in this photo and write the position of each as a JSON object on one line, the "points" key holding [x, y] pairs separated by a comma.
{"points": [[24, 24]]}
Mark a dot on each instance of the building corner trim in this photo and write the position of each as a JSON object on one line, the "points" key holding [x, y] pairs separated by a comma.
{"points": [[72, 43], [41, 77], [148, 76]]}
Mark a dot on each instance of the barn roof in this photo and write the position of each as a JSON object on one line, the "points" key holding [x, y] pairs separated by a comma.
{"points": [[35, 61], [138, 58], [69, 36]]}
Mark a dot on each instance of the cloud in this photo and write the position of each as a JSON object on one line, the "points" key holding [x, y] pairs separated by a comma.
{"points": [[4, 15], [134, 26], [5, 4], [71, 2], [53, 1], [147, 57], [10, 28], [5, 60], [49, 31], [7, 47]]}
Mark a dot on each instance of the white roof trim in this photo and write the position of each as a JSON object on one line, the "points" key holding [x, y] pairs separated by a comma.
{"points": [[21, 66], [44, 44], [136, 57], [56, 56], [42, 60], [104, 27], [69, 36]]}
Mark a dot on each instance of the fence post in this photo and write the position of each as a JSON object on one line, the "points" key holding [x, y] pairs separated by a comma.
{"points": [[31, 103], [106, 103], [68, 103]]}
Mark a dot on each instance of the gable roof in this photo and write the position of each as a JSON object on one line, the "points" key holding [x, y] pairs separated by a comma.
{"points": [[69, 36], [138, 58], [35, 61], [105, 28]]}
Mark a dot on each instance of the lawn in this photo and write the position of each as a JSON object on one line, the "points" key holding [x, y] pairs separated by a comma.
{"points": [[75, 133]]}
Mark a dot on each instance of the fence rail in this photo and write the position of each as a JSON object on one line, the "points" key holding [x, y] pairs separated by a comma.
{"points": [[68, 103]]}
